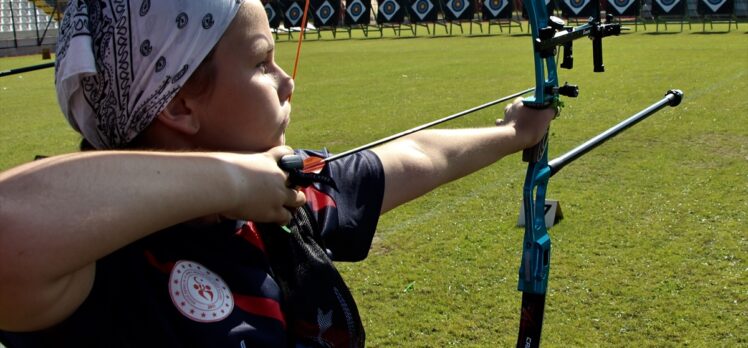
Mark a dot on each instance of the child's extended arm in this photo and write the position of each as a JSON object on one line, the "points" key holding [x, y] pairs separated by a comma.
{"points": [[422, 161]]}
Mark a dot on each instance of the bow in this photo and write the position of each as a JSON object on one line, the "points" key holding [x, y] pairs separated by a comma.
{"points": [[547, 33]]}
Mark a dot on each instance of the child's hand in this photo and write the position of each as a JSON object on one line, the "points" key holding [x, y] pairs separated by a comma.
{"points": [[263, 191], [530, 124]]}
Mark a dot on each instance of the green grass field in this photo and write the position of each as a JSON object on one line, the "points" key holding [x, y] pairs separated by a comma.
{"points": [[653, 247]]}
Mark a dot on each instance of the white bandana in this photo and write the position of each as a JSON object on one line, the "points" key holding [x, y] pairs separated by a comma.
{"points": [[119, 62]]}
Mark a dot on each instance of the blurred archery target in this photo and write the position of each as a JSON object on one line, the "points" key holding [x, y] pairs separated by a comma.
{"points": [[495, 6], [621, 5], [714, 5], [294, 14], [325, 12], [355, 9], [577, 6], [389, 9], [422, 8], [457, 7], [270, 11], [667, 5]]}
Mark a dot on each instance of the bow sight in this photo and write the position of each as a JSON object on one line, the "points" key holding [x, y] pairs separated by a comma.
{"points": [[548, 33], [558, 34]]}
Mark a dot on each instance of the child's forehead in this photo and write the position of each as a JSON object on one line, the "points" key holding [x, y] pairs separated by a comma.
{"points": [[251, 12], [250, 29]]}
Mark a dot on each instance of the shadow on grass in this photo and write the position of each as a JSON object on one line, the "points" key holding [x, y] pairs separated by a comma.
{"points": [[710, 32], [663, 33]]}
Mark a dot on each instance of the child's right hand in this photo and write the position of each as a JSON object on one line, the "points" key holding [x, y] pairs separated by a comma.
{"points": [[263, 193]]}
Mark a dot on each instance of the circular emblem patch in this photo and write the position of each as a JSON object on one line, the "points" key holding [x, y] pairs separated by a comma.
{"points": [[198, 293]]}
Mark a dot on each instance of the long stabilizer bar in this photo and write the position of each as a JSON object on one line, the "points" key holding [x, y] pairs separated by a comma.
{"points": [[672, 98]]}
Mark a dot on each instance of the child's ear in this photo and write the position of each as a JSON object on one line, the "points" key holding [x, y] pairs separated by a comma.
{"points": [[178, 116]]}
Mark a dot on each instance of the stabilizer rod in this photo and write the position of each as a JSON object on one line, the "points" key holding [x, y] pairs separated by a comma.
{"points": [[672, 98]]}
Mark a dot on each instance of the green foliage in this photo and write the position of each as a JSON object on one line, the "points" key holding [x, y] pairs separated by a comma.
{"points": [[653, 249]]}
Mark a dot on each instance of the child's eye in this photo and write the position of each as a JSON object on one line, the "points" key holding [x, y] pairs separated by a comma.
{"points": [[263, 67]]}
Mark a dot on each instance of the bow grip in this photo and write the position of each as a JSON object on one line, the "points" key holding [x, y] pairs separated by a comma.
{"points": [[532, 154]]}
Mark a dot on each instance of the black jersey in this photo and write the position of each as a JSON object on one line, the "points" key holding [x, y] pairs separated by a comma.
{"points": [[235, 283]]}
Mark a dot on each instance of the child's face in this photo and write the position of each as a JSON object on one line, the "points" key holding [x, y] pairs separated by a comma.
{"points": [[248, 109]]}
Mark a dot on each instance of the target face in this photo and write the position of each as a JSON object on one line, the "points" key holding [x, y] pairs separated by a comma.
{"points": [[294, 14], [714, 5], [667, 5], [270, 12], [422, 8], [577, 6], [356, 9], [389, 8], [457, 7], [621, 5], [495, 6], [325, 12]]}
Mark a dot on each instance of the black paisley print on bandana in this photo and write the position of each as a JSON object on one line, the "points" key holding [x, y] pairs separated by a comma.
{"points": [[130, 37]]}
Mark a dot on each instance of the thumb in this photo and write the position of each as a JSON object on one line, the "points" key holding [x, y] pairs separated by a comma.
{"points": [[280, 151], [509, 108]]}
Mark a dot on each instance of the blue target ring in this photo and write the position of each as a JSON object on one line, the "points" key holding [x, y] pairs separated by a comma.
{"points": [[495, 4], [389, 7], [422, 6], [357, 8]]}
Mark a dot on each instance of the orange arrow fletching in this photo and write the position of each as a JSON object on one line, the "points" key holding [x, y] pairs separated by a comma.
{"points": [[313, 164]]}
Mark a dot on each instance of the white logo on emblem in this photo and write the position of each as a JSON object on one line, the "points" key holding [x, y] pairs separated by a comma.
{"points": [[198, 293]]}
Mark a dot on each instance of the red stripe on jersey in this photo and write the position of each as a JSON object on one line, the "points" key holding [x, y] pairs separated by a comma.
{"points": [[248, 231], [164, 267], [317, 199], [261, 306]]}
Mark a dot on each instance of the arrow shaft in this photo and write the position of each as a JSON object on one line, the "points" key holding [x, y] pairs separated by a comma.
{"points": [[25, 69], [426, 125]]}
